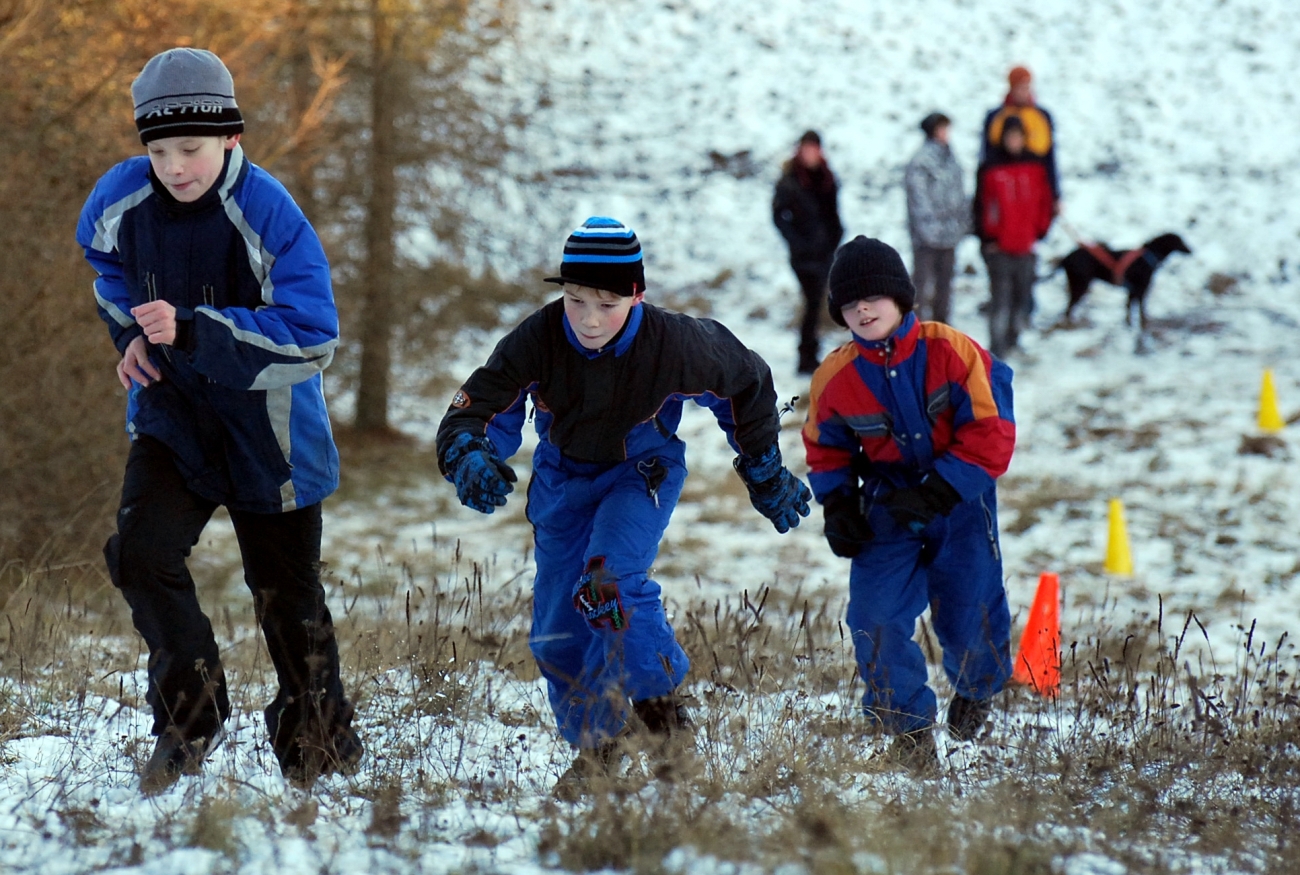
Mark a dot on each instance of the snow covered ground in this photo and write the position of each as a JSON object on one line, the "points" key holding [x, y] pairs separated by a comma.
{"points": [[1172, 115]]}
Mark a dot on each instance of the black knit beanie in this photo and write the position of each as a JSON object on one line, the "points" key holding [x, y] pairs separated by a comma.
{"points": [[866, 268], [185, 93]]}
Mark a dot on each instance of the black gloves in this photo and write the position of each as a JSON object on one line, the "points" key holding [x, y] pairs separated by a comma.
{"points": [[847, 529], [915, 507]]}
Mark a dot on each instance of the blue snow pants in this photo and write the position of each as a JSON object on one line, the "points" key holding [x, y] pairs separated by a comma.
{"points": [[955, 567], [579, 511]]}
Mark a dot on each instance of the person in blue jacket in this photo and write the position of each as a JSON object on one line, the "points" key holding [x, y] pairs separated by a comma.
{"points": [[607, 375], [217, 294]]}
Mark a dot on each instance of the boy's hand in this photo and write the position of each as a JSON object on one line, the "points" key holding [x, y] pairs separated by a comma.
{"points": [[158, 319], [482, 480], [915, 507], [847, 530], [597, 599], [773, 490], [135, 365]]}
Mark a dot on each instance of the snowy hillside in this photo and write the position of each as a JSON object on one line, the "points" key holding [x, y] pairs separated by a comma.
{"points": [[675, 117], [1172, 115]]}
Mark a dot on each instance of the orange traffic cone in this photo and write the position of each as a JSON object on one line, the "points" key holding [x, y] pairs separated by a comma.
{"points": [[1038, 664]]}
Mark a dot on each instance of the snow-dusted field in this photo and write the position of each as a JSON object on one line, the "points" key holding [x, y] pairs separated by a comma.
{"points": [[674, 117]]}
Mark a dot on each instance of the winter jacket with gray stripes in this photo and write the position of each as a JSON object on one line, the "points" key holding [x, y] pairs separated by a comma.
{"points": [[938, 213], [240, 402]]}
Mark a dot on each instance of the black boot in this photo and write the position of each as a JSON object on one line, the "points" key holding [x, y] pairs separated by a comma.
{"points": [[917, 752], [309, 759], [669, 737], [966, 717], [591, 765], [174, 756], [665, 716]]}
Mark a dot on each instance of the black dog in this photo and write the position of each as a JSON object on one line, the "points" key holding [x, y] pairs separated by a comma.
{"points": [[1133, 270]]}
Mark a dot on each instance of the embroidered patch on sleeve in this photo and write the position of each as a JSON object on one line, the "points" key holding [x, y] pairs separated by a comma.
{"points": [[460, 400]]}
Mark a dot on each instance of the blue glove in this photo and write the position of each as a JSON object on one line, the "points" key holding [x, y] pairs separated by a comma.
{"points": [[773, 490], [915, 507], [482, 480]]}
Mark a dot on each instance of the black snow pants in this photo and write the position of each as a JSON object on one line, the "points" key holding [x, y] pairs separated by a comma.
{"points": [[158, 522]]}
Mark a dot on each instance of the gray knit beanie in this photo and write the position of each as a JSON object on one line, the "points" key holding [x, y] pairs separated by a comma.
{"points": [[185, 93]]}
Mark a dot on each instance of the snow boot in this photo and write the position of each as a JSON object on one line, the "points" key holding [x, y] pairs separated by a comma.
{"points": [[670, 736], [665, 716], [174, 756], [966, 717], [917, 752], [590, 767], [308, 759]]}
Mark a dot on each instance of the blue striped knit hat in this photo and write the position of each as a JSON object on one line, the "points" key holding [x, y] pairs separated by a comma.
{"points": [[603, 254]]}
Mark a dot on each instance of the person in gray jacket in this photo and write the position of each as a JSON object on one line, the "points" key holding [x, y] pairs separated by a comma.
{"points": [[938, 216]]}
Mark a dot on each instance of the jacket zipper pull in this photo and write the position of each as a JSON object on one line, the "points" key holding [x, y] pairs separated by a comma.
{"points": [[151, 286]]}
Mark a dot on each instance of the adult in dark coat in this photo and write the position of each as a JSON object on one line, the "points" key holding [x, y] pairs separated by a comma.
{"points": [[806, 212]]}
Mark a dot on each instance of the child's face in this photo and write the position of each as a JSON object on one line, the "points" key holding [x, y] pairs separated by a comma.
{"points": [[873, 318], [188, 166], [1014, 142], [596, 315]]}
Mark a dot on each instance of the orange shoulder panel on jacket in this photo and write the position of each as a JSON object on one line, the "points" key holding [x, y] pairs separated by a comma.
{"points": [[971, 356], [839, 358]]}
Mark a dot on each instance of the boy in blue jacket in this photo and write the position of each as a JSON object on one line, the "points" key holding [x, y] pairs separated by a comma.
{"points": [[217, 295], [909, 426], [607, 375]]}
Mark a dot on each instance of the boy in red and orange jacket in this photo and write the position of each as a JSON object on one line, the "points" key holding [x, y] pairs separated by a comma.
{"points": [[1014, 206], [909, 425]]}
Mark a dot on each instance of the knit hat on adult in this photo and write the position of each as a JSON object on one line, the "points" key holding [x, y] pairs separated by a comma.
{"points": [[603, 253], [185, 92], [866, 268], [1019, 75]]}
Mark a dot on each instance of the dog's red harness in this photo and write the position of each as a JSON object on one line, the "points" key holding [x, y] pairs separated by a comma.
{"points": [[1117, 266]]}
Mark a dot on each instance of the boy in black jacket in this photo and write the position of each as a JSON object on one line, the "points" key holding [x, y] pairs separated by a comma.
{"points": [[607, 375]]}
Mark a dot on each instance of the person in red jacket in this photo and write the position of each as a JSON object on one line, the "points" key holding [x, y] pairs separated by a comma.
{"points": [[1014, 206], [909, 426]]}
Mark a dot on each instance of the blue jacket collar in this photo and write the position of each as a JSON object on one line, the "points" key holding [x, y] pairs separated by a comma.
{"points": [[897, 346], [622, 341]]}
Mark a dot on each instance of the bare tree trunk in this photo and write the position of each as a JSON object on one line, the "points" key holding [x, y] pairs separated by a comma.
{"points": [[300, 167], [377, 319]]}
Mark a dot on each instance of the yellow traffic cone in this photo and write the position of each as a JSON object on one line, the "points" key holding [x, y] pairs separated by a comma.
{"points": [[1270, 418], [1118, 558]]}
